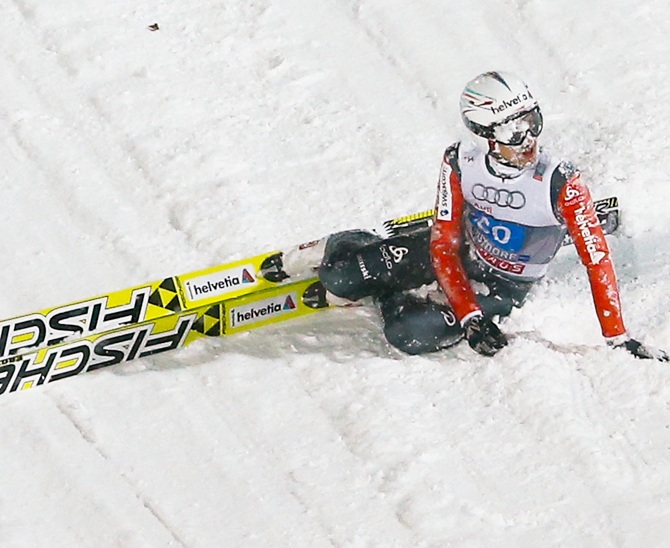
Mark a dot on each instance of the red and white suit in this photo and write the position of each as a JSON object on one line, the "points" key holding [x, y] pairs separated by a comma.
{"points": [[514, 226]]}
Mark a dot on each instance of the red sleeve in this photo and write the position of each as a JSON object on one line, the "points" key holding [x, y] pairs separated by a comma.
{"points": [[576, 207], [446, 241]]}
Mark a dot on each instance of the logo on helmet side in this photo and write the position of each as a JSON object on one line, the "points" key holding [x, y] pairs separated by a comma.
{"points": [[519, 99], [477, 99]]}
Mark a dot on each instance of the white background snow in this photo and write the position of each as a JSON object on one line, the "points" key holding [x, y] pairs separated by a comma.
{"points": [[129, 155]]}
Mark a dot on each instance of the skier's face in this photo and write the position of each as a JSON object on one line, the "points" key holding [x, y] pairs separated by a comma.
{"points": [[515, 141], [521, 156]]}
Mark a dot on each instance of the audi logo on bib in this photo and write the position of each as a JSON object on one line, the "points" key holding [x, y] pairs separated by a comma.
{"points": [[499, 196]]}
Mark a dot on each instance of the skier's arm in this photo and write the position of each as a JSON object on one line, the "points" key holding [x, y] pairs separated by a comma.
{"points": [[446, 240], [577, 210]]}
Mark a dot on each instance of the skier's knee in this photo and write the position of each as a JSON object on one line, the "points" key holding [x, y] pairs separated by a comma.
{"points": [[358, 264], [343, 245], [341, 272], [417, 326]]}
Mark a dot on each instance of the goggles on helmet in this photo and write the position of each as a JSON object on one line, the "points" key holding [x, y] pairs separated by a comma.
{"points": [[513, 132]]}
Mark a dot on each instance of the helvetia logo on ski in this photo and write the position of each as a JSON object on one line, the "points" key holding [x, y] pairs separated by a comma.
{"points": [[220, 283], [262, 310]]}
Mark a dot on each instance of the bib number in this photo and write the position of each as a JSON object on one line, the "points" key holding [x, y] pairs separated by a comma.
{"points": [[505, 235]]}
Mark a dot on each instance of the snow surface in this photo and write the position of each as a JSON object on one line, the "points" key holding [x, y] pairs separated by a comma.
{"points": [[129, 155]]}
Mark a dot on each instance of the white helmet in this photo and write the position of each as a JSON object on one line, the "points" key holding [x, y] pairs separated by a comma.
{"points": [[492, 99]]}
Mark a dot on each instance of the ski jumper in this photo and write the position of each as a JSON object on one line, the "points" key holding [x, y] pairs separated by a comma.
{"points": [[495, 229], [512, 226]]}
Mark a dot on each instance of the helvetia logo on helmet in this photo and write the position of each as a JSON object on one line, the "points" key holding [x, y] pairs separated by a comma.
{"points": [[262, 310], [220, 282], [519, 99]]}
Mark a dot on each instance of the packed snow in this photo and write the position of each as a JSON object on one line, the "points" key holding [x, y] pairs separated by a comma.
{"points": [[142, 140]]}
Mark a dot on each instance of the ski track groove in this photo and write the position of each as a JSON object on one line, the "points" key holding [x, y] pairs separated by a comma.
{"points": [[412, 81], [79, 213], [528, 430], [65, 407], [586, 404], [348, 442], [119, 161], [337, 418], [431, 382], [315, 512], [388, 477]]}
